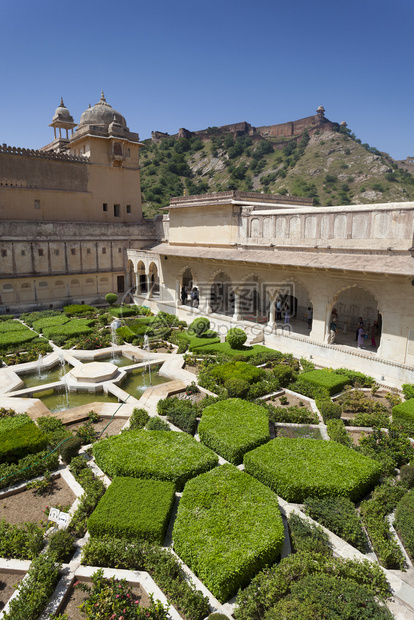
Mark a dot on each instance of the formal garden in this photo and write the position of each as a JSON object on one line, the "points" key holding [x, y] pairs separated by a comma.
{"points": [[226, 488]]}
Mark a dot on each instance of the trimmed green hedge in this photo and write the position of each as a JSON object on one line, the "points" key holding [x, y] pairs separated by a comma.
{"points": [[233, 427], [134, 508], [60, 333], [330, 381], [404, 414], [300, 468], [125, 311], [225, 349], [40, 324], [12, 326], [12, 340], [19, 436], [237, 370], [404, 522], [228, 528], [157, 455], [74, 309]]}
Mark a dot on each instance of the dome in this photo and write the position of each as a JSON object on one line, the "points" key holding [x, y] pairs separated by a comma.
{"points": [[101, 114], [62, 113], [321, 110]]}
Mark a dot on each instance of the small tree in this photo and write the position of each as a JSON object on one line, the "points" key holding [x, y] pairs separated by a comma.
{"points": [[111, 298], [236, 337]]}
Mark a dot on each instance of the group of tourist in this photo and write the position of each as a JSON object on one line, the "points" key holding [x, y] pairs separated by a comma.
{"points": [[361, 333], [194, 297]]}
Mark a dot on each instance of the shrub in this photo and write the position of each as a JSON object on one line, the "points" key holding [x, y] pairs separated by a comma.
{"points": [[132, 509], [111, 298], [199, 326], [373, 512], [308, 537], [380, 420], [31, 317], [228, 527], [403, 414], [155, 423], [340, 599], [356, 377], [36, 590], [274, 584], [70, 448], [28, 467], [292, 415], [223, 348], [20, 542], [233, 427], [408, 390], [12, 326], [236, 337], [404, 522], [94, 489], [339, 516], [73, 309], [237, 370], [391, 449], [329, 410], [115, 597], [61, 546], [284, 374], [156, 455], [180, 412], [40, 324], [330, 381], [12, 340], [61, 333], [54, 430], [237, 388], [337, 432], [164, 568], [407, 476], [299, 468], [138, 419], [19, 436], [124, 311]]}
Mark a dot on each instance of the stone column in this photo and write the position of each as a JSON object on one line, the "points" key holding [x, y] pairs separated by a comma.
{"points": [[320, 322], [237, 316], [272, 310]]}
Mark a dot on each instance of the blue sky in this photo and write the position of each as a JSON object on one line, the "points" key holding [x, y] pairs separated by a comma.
{"points": [[166, 64]]}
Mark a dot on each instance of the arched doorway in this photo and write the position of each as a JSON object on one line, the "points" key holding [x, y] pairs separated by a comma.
{"points": [[221, 295], [187, 280], [154, 281], [350, 304], [253, 300]]}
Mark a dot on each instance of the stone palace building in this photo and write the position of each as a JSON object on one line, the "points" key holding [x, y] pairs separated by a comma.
{"points": [[72, 230]]}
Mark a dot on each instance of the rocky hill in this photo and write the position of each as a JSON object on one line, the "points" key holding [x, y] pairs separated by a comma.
{"points": [[332, 167]]}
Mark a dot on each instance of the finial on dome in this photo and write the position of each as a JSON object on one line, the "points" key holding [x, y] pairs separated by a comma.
{"points": [[62, 105], [103, 97]]}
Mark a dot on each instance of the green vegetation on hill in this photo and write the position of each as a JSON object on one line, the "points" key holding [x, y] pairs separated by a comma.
{"points": [[332, 167]]}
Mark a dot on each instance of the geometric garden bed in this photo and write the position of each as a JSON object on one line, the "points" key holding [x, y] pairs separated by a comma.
{"points": [[300, 468]]}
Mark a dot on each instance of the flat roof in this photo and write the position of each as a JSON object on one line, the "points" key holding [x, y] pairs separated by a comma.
{"points": [[390, 263]]}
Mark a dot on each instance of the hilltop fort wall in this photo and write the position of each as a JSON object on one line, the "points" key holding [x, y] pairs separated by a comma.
{"points": [[291, 129]]}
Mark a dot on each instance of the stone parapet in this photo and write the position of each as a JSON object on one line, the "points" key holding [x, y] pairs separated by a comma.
{"points": [[13, 150]]}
